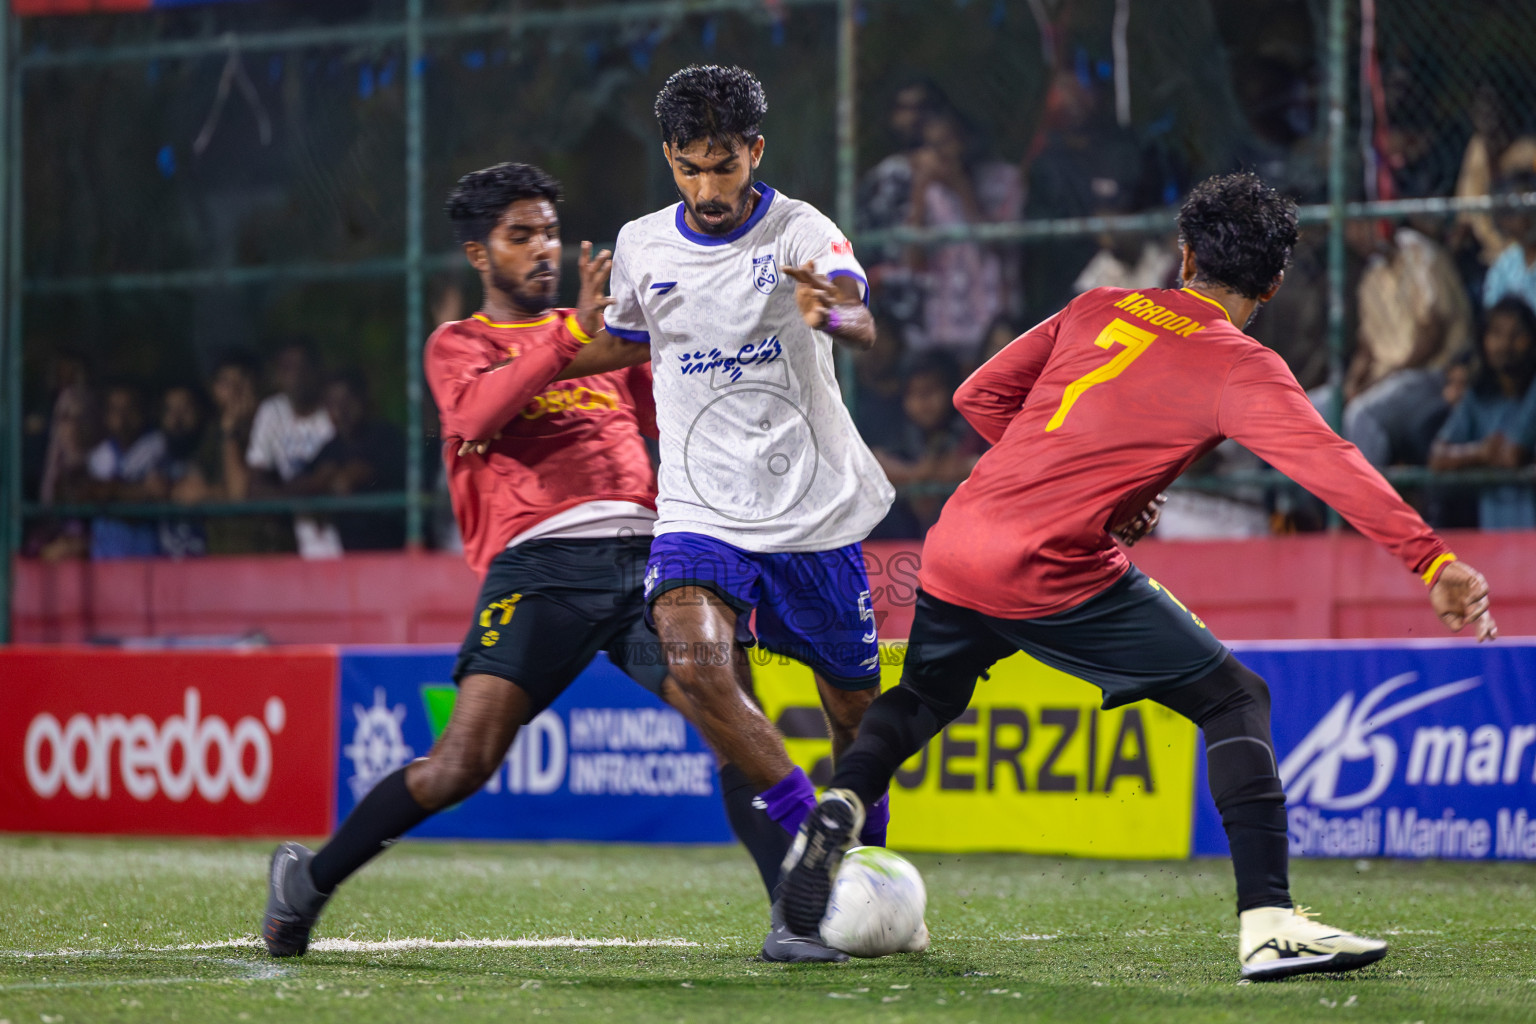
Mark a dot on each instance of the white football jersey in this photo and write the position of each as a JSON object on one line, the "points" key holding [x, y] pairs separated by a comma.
{"points": [[757, 448]]}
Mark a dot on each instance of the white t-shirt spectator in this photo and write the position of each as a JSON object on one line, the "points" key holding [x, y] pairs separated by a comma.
{"points": [[132, 465], [285, 443], [116, 538]]}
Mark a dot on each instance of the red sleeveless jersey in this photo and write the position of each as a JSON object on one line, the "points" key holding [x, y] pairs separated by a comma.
{"points": [[562, 443], [1099, 408]]}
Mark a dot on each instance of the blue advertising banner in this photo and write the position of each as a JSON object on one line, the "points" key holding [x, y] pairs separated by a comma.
{"points": [[1398, 750], [606, 762]]}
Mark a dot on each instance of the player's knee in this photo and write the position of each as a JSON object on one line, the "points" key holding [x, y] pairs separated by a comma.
{"points": [[846, 710], [703, 671], [1230, 702], [1257, 690], [945, 698], [446, 777]]}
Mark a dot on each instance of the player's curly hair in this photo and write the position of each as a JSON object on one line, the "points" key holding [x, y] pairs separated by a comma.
{"points": [[481, 197], [706, 101], [1241, 230]]}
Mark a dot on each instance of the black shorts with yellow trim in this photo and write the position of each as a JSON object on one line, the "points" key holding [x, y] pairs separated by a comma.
{"points": [[1133, 641], [548, 606]]}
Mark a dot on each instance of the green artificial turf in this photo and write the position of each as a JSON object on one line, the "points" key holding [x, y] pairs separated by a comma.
{"points": [[89, 931]]}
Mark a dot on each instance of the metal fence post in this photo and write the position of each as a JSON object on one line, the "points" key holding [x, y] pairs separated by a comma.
{"points": [[1337, 197], [10, 320], [847, 159], [415, 326]]}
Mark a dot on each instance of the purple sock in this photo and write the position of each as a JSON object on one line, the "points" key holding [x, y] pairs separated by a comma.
{"points": [[877, 818], [789, 800]]}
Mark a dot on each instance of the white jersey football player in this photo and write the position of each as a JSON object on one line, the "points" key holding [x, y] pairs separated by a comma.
{"points": [[765, 489]]}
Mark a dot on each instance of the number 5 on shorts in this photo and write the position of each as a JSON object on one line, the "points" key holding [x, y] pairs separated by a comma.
{"points": [[1135, 340]]}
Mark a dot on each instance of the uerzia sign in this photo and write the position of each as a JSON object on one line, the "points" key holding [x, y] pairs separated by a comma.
{"points": [[191, 743], [1033, 765], [1408, 750]]}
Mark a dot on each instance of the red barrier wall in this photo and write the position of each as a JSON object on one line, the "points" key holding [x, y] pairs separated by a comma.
{"points": [[1308, 587]]}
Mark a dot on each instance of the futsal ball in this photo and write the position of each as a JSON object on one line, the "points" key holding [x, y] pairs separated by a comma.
{"points": [[877, 905]]}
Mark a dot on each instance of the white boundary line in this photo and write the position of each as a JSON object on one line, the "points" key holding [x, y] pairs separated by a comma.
{"points": [[359, 946]]}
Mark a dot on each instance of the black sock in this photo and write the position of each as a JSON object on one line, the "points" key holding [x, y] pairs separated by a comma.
{"points": [[1231, 706], [760, 834], [1252, 804], [384, 815], [896, 726], [1260, 855]]}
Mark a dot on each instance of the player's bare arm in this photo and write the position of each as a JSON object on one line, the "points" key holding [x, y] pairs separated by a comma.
{"points": [[1460, 598], [604, 352], [833, 306]]}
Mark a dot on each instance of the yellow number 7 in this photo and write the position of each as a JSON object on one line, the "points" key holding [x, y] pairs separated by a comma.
{"points": [[1135, 340]]}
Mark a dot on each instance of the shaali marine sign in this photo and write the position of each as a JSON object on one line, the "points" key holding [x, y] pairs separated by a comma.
{"points": [[1410, 750]]}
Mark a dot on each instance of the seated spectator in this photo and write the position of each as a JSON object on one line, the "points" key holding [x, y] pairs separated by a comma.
{"points": [[1125, 261], [937, 447], [73, 430], [885, 199], [123, 468], [289, 430], [1493, 153], [218, 471], [1514, 272], [366, 456], [1494, 425], [1082, 162], [1000, 335], [1414, 320], [877, 385], [1294, 324], [966, 285], [182, 420]]}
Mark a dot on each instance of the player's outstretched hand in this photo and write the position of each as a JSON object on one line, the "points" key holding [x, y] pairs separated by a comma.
{"points": [[1129, 533], [814, 294], [1460, 597], [593, 298]]}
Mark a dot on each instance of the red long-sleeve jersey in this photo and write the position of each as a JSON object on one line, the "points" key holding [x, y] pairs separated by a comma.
{"points": [[1099, 408], [562, 443]]}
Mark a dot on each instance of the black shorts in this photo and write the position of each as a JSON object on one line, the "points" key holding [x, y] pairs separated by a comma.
{"points": [[1132, 641], [548, 606]]}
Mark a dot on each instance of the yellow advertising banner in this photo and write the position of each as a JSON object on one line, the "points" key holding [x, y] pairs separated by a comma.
{"points": [[1033, 766]]}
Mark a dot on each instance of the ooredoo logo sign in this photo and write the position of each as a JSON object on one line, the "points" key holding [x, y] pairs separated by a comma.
{"points": [[215, 757], [191, 743]]}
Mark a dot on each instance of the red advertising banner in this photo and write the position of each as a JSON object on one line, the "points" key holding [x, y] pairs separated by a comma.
{"points": [[25, 7], [228, 743], [39, 7]]}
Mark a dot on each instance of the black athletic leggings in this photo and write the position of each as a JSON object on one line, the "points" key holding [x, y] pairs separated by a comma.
{"points": [[1230, 704]]}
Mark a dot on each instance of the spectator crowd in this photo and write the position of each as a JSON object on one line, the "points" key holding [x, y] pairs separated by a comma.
{"points": [[314, 434], [1441, 329], [1440, 323]]}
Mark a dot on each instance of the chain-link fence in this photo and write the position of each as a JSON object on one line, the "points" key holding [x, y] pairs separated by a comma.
{"points": [[230, 177]]}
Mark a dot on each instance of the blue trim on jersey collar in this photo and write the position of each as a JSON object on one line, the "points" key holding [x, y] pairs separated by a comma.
{"points": [[765, 194]]}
